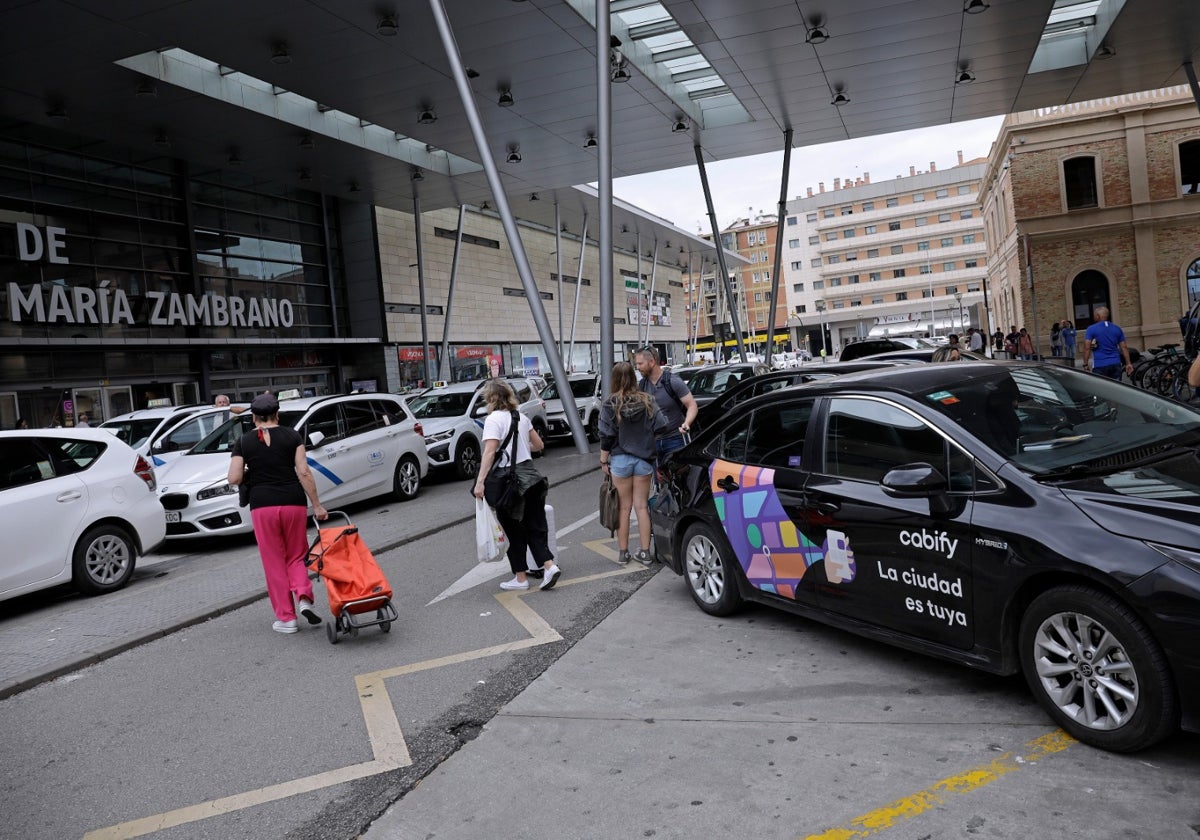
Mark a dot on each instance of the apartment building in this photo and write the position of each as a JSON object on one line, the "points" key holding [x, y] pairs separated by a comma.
{"points": [[1101, 200], [900, 257]]}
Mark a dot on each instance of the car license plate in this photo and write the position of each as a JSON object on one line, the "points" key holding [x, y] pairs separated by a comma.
{"points": [[174, 516]]}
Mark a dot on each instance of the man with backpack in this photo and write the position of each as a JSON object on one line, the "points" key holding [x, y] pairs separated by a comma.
{"points": [[674, 400]]}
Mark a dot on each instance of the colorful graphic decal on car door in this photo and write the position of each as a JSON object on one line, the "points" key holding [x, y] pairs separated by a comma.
{"points": [[771, 550]]}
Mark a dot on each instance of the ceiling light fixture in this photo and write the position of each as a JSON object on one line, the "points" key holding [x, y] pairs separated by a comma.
{"points": [[514, 154], [162, 140], [964, 77], [1105, 51], [427, 116], [57, 113], [306, 141], [506, 98], [388, 26], [472, 73], [839, 99], [485, 206], [618, 67], [590, 142], [679, 126], [146, 89], [417, 174], [280, 54], [234, 158], [304, 175], [974, 7], [534, 197], [817, 35], [354, 187]]}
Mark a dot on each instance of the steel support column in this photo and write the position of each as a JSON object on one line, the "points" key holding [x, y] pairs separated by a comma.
{"points": [[783, 185], [650, 298], [578, 286], [444, 368], [520, 258], [604, 191], [428, 379], [716, 232]]}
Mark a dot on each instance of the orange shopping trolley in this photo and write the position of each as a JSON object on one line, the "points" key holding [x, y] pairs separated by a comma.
{"points": [[355, 583]]}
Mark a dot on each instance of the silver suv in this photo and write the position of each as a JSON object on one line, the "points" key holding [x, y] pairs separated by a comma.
{"points": [[585, 388], [452, 417]]}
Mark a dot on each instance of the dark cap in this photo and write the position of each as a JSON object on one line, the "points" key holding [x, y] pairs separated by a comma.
{"points": [[265, 405]]}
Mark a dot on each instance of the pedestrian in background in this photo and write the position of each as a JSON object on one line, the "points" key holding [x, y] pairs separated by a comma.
{"points": [[524, 523], [83, 422], [1104, 347], [629, 420], [1025, 344], [1056, 339], [272, 461], [673, 398], [1068, 340], [22, 423], [1012, 342]]}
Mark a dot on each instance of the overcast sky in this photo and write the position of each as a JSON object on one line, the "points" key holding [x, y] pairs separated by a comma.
{"points": [[753, 182]]}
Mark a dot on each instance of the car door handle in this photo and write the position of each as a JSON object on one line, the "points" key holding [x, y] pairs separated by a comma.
{"points": [[727, 484], [69, 496], [827, 507]]}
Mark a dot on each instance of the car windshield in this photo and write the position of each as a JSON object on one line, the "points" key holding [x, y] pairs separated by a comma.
{"points": [[133, 432], [1052, 420], [221, 439], [441, 405], [580, 389], [710, 383]]}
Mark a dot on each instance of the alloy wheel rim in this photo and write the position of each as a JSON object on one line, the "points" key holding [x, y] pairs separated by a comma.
{"points": [[409, 478], [1085, 671], [107, 559], [705, 572]]}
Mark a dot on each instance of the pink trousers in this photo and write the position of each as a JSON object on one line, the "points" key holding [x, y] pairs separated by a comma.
{"points": [[283, 545]]}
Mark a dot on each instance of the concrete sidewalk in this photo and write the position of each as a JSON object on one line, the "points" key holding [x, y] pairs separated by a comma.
{"points": [[46, 635]]}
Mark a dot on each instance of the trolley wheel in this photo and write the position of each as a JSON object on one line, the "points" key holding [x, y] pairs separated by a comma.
{"points": [[331, 632], [385, 626], [353, 628]]}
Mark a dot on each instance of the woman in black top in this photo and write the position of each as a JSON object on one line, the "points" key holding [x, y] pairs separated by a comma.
{"points": [[272, 462]]}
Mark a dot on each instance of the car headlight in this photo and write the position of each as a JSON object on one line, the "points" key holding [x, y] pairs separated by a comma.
{"points": [[1180, 555], [213, 491], [438, 437]]}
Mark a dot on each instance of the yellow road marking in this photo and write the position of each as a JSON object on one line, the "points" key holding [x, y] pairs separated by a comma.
{"points": [[970, 780], [383, 728]]}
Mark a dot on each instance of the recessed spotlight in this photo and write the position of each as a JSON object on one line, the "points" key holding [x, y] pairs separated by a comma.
{"points": [[354, 187], [280, 53], [472, 73], [162, 140], [590, 142], [680, 126], [1105, 51], [839, 99], [534, 197], [506, 99], [305, 175], [57, 113], [817, 35], [387, 26], [427, 116], [146, 89], [234, 158], [974, 7], [306, 141], [417, 174], [514, 154], [964, 77]]}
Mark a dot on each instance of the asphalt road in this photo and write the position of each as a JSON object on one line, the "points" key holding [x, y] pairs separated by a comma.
{"points": [[608, 707]]}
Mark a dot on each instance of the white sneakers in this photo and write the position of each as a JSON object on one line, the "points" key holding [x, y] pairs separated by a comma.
{"points": [[305, 608], [285, 626], [515, 584], [551, 576]]}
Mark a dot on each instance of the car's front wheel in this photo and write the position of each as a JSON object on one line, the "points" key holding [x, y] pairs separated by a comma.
{"points": [[593, 428], [466, 462], [408, 479], [103, 560], [539, 427], [1097, 669], [709, 573]]}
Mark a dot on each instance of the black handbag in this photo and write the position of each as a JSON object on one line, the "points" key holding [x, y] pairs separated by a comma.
{"points": [[501, 489]]}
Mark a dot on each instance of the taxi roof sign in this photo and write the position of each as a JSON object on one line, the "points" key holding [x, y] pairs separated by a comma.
{"points": [[161, 402], [289, 394]]}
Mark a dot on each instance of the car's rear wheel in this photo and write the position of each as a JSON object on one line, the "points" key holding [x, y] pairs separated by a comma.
{"points": [[408, 479], [540, 428], [709, 573], [103, 560], [466, 462], [1097, 669]]}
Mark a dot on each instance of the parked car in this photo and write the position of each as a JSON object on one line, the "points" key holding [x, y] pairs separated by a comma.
{"points": [[872, 346], [1006, 516], [452, 417], [711, 381], [585, 389], [919, 355], [358, 445], [77, 506], [141, 428], [789, 359]]}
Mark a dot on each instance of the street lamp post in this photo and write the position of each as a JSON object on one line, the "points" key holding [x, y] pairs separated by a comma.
{"points": [[824, 338], [962, 324]]}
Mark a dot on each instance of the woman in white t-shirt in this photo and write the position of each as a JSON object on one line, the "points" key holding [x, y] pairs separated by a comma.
{"points": [[525, 523]]}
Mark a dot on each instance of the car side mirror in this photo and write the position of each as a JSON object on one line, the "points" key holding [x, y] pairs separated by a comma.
{"points": [[919, 481], [480, 411], [315, 438]]}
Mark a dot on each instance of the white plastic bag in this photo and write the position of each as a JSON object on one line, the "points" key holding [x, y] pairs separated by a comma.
{"points": [[490, 542]]}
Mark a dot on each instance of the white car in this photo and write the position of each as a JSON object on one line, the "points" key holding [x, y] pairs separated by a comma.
{"points": [[141, 428], [585, 388], [358, 446], [452, 416], [76, 506]]}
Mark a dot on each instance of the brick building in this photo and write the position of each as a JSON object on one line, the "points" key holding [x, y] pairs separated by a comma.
{"points": [[1102, 196]]}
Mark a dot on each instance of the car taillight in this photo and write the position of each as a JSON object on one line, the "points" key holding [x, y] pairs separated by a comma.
{"points": [[143, 470], [417, 428]]}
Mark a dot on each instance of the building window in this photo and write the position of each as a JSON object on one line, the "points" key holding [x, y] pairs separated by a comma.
{"points": [[800, 307], [947, 241], [868, 206], [767, 297], [943, 217], [975, 288], [848, 234], [792, 220], [828, 213], [754, 277], [797, 287], [952, 290], [852, 256], [835, 281], [923, 245], [855, 303], [853, 278], [927, 293], [968, 239], [833, 259], [897, 249], [812, 240], [1189, 166], [818, 284], [899, 272], [872, 253], [839, 304], [893, 226], [927, 269], [918, 197], [831, 236], [893, 202], [877, 300], [964, 189], [762, 237], [796, 265], [901, 295], [846, 211], [948, 266], [816, 262], [811, 217], [920, 221], [874, 275], [758, 297], [868, 230], [1079, 182], [966, 214], [942, 194], [793, 243], [970, 263]]}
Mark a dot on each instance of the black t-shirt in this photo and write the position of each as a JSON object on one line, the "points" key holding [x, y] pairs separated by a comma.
{"points": [[271, 470]]}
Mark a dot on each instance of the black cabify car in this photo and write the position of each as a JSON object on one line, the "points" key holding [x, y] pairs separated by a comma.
{"points": [[1007, 516]]}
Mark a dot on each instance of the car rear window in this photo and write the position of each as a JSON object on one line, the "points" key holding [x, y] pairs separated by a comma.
{"points": [[28, 460]]}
